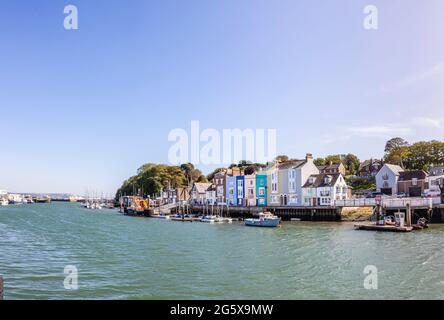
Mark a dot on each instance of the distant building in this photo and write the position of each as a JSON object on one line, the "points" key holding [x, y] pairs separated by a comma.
{"points": [[199, 193], [332, 168], [324, 189], [387, 179], [413, 183], [436, 171], [369, 168], [183, 194]]}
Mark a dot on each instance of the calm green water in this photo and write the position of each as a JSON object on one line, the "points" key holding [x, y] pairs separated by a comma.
{"points": [[120, 257]]}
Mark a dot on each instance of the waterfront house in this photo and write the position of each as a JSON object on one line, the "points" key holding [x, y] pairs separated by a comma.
{"points": [[369, 168], [261, 189], [324, 189], [436, 181], [219, 181], [182, 194], [210, 195], [332, 168], [240, 190], [274, 185], [250, 190], [387, 179], [285, 181], [413, 183], [199, 193], [230, 189]]}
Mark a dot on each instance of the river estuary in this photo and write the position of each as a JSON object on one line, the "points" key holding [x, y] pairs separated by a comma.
{"points": [[120, 257]]}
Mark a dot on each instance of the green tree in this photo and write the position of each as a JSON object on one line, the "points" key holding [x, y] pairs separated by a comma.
{"points": [[394, 144], [319, 161]]}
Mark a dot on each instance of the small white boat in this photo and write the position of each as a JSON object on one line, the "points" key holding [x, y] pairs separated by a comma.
{"points": [[208, 219], [4, 202], [180, 217], [160, 216], [265, 219], [223, 220]]}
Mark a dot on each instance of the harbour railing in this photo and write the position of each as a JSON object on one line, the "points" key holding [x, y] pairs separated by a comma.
{"points": [[359, 202], [388, 202]]}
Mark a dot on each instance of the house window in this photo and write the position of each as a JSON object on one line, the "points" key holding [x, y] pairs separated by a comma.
{"points": [[261, 191], [415, 181]]}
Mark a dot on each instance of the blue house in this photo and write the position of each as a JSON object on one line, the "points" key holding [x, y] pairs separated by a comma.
{"points": [[240, 190], [231, 191]]}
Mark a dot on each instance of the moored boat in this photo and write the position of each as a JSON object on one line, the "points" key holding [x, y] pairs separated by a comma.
{"points": [[160, 216], [180, 217], [208, 219], [4, 202], [265, 220]]}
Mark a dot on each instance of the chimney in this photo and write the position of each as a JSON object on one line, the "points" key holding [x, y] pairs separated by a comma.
{"points": [[331, 163], [309, 157]]}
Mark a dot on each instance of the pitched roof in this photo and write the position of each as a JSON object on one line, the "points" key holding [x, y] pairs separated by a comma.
{"points": [[395, 168], [201, 187], [291, 164], [330, 166], [318, 180], [409, 175], [366, 163]]}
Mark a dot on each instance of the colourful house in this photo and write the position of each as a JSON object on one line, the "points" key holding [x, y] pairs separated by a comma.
{"points": [[231, 191], [261, 190], [250, 190], [240, 190]]}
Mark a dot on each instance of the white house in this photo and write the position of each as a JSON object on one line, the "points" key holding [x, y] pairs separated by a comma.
{"points": [[200, 193], [436, 179], [387, 179], [286, 181], [324, 189]]}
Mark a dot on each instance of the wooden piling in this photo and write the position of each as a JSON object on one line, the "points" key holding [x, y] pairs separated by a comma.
{"points": [[409, 215]]}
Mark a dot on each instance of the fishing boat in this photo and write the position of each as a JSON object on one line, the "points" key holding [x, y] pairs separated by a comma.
{"points": [[265, 219]]}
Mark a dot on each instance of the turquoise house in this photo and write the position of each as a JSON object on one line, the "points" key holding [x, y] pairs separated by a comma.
{"points": [[261, 190]]}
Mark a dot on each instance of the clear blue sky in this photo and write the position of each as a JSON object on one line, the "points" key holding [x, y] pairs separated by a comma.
{"points": [[84, 109]]}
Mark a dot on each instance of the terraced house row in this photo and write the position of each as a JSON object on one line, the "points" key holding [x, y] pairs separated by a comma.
{"points": [[288, 183]]}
